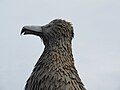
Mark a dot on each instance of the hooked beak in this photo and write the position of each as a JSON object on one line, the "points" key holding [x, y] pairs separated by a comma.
{"points": [[34, 30]]}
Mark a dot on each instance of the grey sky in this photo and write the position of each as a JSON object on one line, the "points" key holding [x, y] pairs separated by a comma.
{"points": [[96, 46]]}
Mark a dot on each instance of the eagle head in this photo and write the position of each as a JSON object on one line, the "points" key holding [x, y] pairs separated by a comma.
{"points": [[54, 32]]}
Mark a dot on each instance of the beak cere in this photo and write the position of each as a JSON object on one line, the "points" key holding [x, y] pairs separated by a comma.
{"points": [[35, 30]]}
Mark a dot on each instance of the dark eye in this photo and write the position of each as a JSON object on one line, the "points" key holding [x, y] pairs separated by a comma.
{"points": [[49, 26]]}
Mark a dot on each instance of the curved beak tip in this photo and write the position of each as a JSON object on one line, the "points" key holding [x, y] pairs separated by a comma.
{"points": [[36, 30], [22, 31]]}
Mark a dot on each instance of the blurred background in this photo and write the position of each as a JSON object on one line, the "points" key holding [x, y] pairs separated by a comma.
{"points": [[96, 45]]}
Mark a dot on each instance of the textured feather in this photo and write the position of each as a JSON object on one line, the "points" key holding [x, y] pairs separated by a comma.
{"points": [[55, 68]]}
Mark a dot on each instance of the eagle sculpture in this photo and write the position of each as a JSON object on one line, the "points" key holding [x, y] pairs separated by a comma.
{"points": [[55, 69]]}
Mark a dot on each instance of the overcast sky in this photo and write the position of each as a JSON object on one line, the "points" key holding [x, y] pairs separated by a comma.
{"points": [[96, 45]]}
